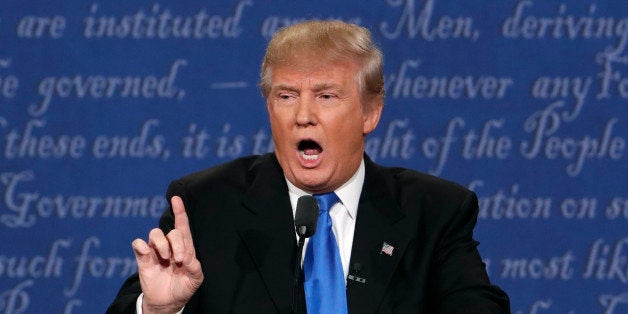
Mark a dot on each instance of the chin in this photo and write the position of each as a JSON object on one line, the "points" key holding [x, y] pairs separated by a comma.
{"points": [[309, 182]]}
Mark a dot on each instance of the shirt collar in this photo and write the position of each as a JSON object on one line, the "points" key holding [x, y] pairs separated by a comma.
{"points": [[348, 193]]}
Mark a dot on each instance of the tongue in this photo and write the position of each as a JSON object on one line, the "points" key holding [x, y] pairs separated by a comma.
{"points": [[312, 151]]}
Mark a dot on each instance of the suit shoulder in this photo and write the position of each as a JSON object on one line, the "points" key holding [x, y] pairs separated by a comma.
{"points": [[230, 175], [415, 181], [438, 203], [410, 187]]}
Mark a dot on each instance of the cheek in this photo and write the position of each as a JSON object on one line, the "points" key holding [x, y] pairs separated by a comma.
{"points": [[349, 137], [279, 133], [278, 117], [355, 126], [275, 121]]}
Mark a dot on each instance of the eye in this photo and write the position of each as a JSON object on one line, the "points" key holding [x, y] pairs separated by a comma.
{"points": [[285, 96], [326, 96]]}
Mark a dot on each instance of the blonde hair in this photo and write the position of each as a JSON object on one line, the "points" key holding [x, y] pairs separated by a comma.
{"points": [[333, 40]]}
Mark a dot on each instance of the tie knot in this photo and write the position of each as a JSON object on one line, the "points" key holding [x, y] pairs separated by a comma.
{"points": [[326, 201]]}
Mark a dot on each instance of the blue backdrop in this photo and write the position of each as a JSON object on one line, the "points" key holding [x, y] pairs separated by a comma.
{"points": [[102, 103]]}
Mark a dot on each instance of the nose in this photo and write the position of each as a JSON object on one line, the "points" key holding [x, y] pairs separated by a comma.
{"points": [[305, 113]]}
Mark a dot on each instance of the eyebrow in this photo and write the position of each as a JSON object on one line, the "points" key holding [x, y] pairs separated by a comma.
{"points": [[327, 86], [316, 88], [285, 87]]}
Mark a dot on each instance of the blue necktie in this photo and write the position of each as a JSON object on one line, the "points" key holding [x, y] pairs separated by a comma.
{"points": [[324, 278]]}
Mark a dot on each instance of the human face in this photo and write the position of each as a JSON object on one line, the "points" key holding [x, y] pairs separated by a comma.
{"points": [[319, 122]]}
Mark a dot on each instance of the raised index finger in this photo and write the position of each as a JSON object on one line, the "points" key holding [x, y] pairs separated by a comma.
{"points": [[181, 222]]}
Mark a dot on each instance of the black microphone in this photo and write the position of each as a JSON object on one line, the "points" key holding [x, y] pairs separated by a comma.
{"points": [[305, 220], [306, 216]]}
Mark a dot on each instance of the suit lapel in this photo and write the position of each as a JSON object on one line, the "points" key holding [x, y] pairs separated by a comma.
{"points": [[375, 236], [269, 233]]}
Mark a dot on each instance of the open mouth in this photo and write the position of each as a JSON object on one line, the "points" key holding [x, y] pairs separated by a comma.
{"points": [[309, 149]]}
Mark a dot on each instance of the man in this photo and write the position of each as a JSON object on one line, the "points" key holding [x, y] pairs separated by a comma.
{"points": [[228, 243]]}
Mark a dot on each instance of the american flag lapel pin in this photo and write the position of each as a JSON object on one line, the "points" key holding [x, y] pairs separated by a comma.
{"points": [[387, 249]]}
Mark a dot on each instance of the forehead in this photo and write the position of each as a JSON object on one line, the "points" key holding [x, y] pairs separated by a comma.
{"points": [[315, 71]]}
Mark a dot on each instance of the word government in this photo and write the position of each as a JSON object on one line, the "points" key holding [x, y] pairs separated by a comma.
{"points": [[158, 23], [99, 86], [22, 208]]}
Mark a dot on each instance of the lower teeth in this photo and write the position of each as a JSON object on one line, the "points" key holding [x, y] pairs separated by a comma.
{"points": [[309, 157]]}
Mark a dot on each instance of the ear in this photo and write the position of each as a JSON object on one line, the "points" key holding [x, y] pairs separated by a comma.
{"points": [[372, 112]]}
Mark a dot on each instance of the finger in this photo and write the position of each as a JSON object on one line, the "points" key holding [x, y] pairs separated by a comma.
{"points": [[141, 250], [180, 216], [181, 221], [157, 239], [140, 247], [177, 245]]}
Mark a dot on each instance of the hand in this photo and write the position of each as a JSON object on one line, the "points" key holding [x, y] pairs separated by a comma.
{"points": [[168, 269]]}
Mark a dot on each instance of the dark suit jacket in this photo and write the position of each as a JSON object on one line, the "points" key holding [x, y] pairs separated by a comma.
{"points": [[242, 224]]}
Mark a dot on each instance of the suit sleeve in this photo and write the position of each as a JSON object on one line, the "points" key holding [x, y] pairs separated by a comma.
{"points": [[464, 285]]}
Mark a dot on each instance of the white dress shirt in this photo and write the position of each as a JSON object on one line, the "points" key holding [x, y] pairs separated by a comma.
{"points": [[343, 213]]}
